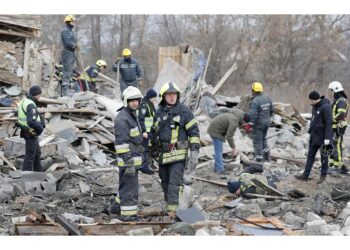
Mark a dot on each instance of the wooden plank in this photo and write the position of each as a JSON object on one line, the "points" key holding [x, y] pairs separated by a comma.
{"points": [[122, 228], [46, 140], [223, 79], [96, 122], [8, 163], [27, 21], [222, 184], [101, 138], [277, 223], [39, 229], [71, 227], [25, 77], [9, 77]]}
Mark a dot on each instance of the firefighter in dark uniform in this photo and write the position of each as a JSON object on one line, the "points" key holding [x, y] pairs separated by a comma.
{"points": [[146, 114], [32, 125], [131, 72], [87, 80], [69, 42], [320, 134], [175, 131], [261, 112], [128, 145], [339, 111]]}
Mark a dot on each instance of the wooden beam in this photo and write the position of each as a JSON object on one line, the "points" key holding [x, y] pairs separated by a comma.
{"points": [[222, 184], [8, 163], [224, 78], [71, 227]]}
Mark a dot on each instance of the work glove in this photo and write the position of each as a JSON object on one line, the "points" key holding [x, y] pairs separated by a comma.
{"points": [[140, 82], [193, 160], [130, 171], [247, 128], [326, 142]]}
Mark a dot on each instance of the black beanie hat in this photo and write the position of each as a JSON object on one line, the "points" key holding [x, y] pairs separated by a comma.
{"points": [[151, 93], [233, 186], [314, 95], [246, 118], [35, 90]]}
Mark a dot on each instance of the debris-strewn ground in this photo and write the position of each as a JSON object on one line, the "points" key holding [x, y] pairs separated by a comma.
{"points": [[80, 180]]}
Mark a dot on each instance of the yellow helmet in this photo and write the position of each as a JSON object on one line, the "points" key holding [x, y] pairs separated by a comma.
{"points": [[126, 52], [69, 18], [131, 93], [101, 63], [169, 87], [257, 87]]}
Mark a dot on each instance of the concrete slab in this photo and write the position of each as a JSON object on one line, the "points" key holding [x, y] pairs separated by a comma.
{"points": [[190, 215]]}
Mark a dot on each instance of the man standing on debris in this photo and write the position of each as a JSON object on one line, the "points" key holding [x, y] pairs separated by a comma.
{"points": [[146, 114], [128, 145], [130, 71], [175, 130], [69, 43], [197, 60], [87, 80], [245, 185], [320, 135], [32, 125], [340, 108], [261, 112], [223, 127]]}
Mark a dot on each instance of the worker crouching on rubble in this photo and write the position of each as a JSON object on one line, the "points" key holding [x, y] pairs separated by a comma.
{"points": [[32, 125], [245, 185], [174, 131], [128, 145], [87, 80], [223, 127]]}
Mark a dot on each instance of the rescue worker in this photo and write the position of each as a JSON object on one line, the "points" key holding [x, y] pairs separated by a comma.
{"points": [[130, 71], [146, 114], [245, 186], [223, 127], [69, 43], [320, 134], [128, 145], [175, 130], [261, 112], [87, 80], [340, 108], [197, 60], [32, 125]]}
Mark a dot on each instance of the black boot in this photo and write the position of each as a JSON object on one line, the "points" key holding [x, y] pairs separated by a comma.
{"points": [[301, 177], [344, 170], [147, 170]]}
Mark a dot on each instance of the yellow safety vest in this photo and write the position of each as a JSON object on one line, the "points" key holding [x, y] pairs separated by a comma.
{"points": [[22, 112]]}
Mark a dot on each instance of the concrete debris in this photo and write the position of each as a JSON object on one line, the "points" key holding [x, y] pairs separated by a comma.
{"points": [[147, 231], [314, 227], [202, 232], [77, 218]]}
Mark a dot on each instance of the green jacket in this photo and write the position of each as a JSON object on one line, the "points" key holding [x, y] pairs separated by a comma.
{"points": [[224, 126]]}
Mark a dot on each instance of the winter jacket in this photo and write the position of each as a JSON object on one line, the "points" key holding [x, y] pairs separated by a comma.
{"points": [[90, 73], [128, 139], [321, 122], [68, 38], [29, 117], [261, 110], [130, 71], [224, 126]]}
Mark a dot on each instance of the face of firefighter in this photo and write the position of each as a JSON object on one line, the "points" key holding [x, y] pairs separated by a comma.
{"points": [[134, 104], [330, 94], [154, 101], [171, 98]]}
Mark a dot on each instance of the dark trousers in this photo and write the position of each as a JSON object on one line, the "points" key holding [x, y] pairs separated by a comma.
{"points": [[128, 191], [337, 155], [259, 140], [67, 59], [145, 164], [32, 157], [171, 176], [311, 158], [124, 85]]}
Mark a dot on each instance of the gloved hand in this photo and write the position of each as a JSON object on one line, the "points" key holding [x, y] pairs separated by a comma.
{"points": [[130, 170], [247, 128], [235, 152], [193, 160], [140, 82], [326, 142]]}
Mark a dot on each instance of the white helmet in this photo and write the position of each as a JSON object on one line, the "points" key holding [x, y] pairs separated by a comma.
{"points": [[336, 86], [131, 93]]}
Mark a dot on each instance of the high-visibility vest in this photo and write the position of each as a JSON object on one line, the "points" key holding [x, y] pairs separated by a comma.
{"points": [[336, 113], [149, 119], [22, 112], [246, 178], [85, 76]]}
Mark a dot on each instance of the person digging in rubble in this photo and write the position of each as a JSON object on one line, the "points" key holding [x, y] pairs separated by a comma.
{"points": [[131, 73], [87, 80], [245, 186], [175, 130], [261, 112], [69, 43], [197, 60], [32, 125], [320, 134], [146, 114], [340, 108], [223, 127], [128, 145]]}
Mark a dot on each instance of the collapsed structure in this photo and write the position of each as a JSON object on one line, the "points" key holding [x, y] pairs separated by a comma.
{"points": [[72, 195]]}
